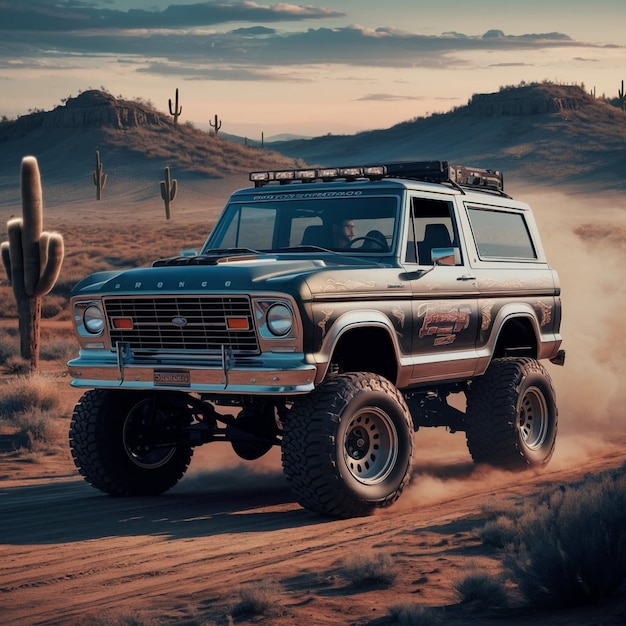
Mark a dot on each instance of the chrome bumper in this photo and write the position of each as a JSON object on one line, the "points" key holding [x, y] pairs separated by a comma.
{"points": [[274, 374]]}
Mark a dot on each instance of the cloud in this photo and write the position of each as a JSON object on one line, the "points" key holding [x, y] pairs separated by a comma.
{"points": [[388, 97], [190, 41], [64, 15], [222, 73]]}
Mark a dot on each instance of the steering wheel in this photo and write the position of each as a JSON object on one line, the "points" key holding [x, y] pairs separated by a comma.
{"points": [[378, 242]]}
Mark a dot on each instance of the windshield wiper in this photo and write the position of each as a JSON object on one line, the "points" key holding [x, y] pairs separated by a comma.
{"points": [[209, 257], [228, 251], [305, 248]]}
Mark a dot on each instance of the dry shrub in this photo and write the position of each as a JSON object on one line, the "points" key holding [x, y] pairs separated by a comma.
{"points": [[58, 350], [570, 547], [499, 532], [36, 430], [15, 364], [52, 305], [26, 393], [120, 618], [8, 308], [9, 345], [485, 590], [415, 615], [367, 571], [260, 598]]}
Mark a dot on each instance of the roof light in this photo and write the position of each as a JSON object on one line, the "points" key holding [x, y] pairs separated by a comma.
{"points": [[372, 171], [328, 173], [306, 174], [426, 171], [284, 175], [259, 176]]}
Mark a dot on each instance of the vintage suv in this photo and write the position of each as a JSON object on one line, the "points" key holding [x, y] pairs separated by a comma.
{"points": [[335, 349]]}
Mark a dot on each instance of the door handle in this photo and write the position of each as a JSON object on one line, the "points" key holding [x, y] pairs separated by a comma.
{"points": [[466, 277]]}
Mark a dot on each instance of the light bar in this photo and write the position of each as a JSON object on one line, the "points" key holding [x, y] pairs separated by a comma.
{"points": [[426, 171]]}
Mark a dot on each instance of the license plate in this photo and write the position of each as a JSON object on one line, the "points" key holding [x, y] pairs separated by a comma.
{"points": [[172, 378]]}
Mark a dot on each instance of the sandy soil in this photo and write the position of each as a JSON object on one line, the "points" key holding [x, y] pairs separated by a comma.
{"points": [[71, 555]]}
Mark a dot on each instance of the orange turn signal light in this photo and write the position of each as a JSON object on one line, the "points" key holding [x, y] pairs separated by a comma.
{"points": [[122, 323], [237, 323]]}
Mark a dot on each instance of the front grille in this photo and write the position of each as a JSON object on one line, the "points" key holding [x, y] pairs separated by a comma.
{"points": [[182, 323]]}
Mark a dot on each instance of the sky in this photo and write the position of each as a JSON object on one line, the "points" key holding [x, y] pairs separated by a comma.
{"points": [[308, 69]]}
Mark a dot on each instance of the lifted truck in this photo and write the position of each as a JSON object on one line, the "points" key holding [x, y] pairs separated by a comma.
{"points": [[285, 331]]}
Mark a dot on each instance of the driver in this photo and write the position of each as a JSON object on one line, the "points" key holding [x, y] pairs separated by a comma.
{"points": [[343, 233]]}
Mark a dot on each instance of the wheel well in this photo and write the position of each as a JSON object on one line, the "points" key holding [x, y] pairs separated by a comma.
{"points": [[517, 338], [366, 350]]}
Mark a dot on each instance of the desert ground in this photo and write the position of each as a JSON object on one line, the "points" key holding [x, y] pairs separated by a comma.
{"points": [[71, 555]]}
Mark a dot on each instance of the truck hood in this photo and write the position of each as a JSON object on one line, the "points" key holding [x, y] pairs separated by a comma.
{"points": [[271, 272]]}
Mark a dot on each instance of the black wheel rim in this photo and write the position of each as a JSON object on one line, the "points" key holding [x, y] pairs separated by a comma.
{"points": [[139, 449], [370, 447]]}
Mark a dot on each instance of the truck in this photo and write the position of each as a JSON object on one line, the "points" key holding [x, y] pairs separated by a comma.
{"points": [[332, 312]]}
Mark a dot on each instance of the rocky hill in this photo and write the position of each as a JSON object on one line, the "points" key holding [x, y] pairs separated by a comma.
{"points": [[553, 133], [135, 142], [91, 109]]}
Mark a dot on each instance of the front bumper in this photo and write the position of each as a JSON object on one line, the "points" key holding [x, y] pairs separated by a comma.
{"points": [[273, 374]]}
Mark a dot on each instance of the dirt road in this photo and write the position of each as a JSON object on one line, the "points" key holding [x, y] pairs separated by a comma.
{"points": [[71, 555]]}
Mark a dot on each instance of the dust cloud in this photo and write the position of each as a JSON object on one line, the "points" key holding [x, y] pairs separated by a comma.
{"points": [[584, 237]]}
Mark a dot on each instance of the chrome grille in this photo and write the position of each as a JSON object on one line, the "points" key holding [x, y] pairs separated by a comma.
{"points": [[180, 323]]}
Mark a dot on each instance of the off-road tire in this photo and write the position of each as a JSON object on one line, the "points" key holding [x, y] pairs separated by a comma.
{"points": [[104, 431], [512, 417], [348, 446]]}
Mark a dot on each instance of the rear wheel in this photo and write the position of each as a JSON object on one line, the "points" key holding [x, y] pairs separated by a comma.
{"points": [[117, 443], [511, 418], [348, 446]]}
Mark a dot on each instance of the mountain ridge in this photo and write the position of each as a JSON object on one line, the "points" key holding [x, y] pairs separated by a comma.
{"points": [[553, 134], [556, 133]]}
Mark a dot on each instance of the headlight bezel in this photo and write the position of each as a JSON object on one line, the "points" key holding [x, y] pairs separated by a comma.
{"points": [[280, 319], [90, 319]]}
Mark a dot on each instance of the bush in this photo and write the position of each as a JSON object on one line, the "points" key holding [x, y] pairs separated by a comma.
{"points": [[29, 392], [572, 545], [484, 589], [260, 598], [15, 364], [36, 430], [377, 570], [9, 345], [58, 350], [415, 615], [500, 532]]}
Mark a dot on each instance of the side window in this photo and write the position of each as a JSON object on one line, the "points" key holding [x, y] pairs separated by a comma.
{"points": [[431, 227], [501, 234]]}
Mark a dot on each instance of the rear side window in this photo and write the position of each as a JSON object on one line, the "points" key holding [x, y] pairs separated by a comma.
{"points": [[501, 234]]}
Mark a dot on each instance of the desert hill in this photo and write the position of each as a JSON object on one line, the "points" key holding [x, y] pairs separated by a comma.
{"points": [[548, 132], [135, 142]]}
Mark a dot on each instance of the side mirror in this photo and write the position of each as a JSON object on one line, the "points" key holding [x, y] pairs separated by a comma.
{"points": [[189, 252], [445, 256]]}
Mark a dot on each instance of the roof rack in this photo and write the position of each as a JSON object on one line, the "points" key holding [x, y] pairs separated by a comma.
{"points": [[426, 171]]}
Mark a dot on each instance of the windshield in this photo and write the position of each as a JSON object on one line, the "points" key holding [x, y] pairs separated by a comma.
{"points": [[363, 224]]}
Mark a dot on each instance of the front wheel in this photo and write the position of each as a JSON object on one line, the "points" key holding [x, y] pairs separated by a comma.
{"points": [[348, 446], [117, 441], [511, 418]]}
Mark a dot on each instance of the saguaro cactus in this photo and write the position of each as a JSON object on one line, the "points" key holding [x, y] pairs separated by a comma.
{"points": [[32, 260], [217, 124], [176, 111], [622, 98], [169, 186], [99, 177]]}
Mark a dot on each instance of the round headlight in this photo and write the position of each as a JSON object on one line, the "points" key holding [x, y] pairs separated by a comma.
{"points": [[93, 319], [279, 319]]}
